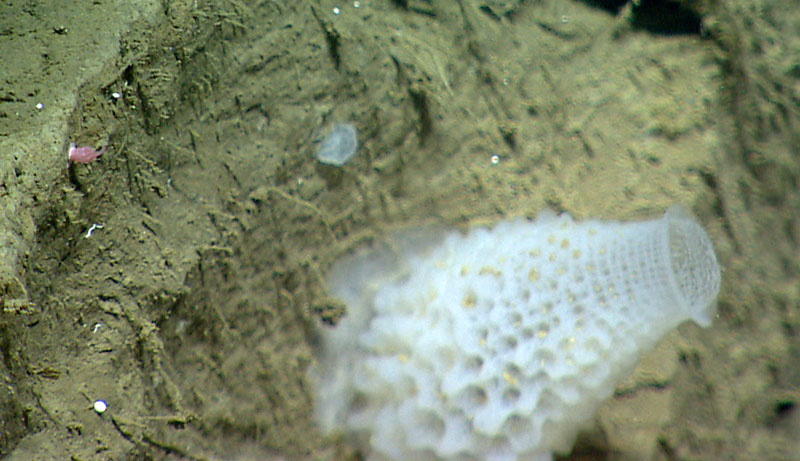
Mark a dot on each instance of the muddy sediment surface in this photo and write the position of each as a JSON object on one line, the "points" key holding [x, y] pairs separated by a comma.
{"points": [[180, 277]]}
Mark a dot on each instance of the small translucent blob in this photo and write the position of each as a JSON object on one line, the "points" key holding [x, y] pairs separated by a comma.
{"points": [[339, 146]]}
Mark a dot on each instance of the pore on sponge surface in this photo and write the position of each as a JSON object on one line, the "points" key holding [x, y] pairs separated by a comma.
{"points": [[501, 343]]}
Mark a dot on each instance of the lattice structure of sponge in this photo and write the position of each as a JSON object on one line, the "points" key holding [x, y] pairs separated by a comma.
{"points": [[500, 344]]}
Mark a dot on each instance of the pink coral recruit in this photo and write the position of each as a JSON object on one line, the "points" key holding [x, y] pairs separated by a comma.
{"points": [[84, 154]]}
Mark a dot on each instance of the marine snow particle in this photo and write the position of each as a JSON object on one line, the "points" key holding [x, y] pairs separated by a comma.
{"points": [[100, 406]]}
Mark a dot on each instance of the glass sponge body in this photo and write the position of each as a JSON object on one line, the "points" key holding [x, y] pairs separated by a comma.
{"points": [[501, 343]]}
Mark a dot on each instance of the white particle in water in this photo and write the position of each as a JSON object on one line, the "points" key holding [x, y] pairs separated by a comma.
{"points": [[100, 406]]}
